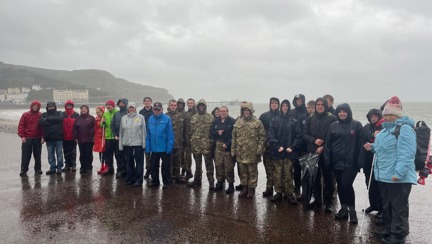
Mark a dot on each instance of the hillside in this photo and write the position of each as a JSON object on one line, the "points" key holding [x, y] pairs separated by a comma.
{"points": [[101, 84]]}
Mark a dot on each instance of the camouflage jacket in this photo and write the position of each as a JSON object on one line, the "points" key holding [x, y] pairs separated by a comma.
{"points": [[248, 140], [200, 137], [188, 115], [179, 123]]}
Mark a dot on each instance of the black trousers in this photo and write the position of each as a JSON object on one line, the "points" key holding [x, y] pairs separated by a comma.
{"points": [[374, 194], [69, 152], [297, 175], [395, 207], [86, 155], [31, 146], [120, 159], [110, 146], [135, 164], [327, 174], [345, 180], [155, 159]]}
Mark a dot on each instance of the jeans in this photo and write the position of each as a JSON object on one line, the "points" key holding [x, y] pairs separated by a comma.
{"points": [[55, 148]]}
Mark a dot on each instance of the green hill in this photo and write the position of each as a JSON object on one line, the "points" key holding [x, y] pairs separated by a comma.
{"points": [[101, 84]]}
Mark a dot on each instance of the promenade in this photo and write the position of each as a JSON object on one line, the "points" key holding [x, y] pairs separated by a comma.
{"points": [[75, 208]]}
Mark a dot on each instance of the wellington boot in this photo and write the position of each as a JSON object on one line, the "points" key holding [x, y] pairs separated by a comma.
{"points": [[219, 186], [342, 214], [230, 188], [251, 193], [268, 192], [277, 197], [243, 192], [101, 169], [353, 217]]}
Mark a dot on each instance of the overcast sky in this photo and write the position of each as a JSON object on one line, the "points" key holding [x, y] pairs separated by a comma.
{"points": [[356, 50]]}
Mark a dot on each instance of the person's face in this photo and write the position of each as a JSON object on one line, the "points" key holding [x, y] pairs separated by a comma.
{"points": [[374, 118], [310, 109], [35, 108], [84, 110], [390, 118], [157, 111], [274, 105], [180, 106], [319, 107], [172, 106], [69, 106], [190, 103], [109, 107], [121, 104], [201, 107], [99, 112], [223, 113], [131, 110], [284, 108], [217, 113], [50, 108], [147, 103], [329, 102], [246, 113], [299, 102], [342, 115]]}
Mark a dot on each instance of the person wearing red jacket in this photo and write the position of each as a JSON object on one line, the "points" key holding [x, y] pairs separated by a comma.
{"points": [[30, 133], [69, 143], [99, 138]]}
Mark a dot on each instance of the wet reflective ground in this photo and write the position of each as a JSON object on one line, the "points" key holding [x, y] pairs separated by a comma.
{"points": [[75, 208]]}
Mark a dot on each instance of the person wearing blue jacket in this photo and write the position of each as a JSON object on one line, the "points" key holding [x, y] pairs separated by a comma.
{"points": [[394, 170], [160, 143]]}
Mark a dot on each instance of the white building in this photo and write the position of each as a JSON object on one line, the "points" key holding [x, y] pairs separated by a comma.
{"points": [[36, 87], [17, 98], [78, 96], [25, 90]]}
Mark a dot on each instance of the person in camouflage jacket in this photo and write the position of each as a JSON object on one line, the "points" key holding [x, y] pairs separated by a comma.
{"points": [[187, 156], [248, 144], [201, 143]]}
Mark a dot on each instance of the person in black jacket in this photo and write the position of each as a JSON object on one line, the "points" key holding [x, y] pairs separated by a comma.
{"points": [[221, 131], [299, 113], [284, 137], [369, 131], [343, 146], [330, 100], [52, 125], [147, 111], [265, 118], [315, 132], [115, 129]]}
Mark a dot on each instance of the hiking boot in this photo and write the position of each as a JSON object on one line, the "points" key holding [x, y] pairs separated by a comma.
{"points": [[59, 171], [268, 192], [23, 174], [38, 172], [219, 186], [211, 186], [239, 187], [194, 183], [369, 209], [353, 217], [292, 199], [328, 208], [66, 169], [314, 204], [147, 174], [277, 197], [250, 193], [243, 192], [50, 172], [230, 188], [342, 214], [381, 234]]}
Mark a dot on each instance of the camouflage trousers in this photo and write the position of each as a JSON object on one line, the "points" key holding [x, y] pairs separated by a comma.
{"points": [[224, 164], [249, 174], [283, 176], [148, 161], [187, 159], [269, 165], [176, 162], [209, 167]]}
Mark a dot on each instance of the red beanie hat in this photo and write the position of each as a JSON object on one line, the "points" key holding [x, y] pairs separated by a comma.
{"points": [[110, 102], [393, 107]]}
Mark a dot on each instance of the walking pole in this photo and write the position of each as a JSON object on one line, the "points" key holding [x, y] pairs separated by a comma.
{"points": [[369, 183]]}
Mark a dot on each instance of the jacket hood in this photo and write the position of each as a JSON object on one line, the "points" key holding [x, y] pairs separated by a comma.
{"points": [[69, 102], [345, 107], [202, 101], [249, 106], [276, 99], [285, 101], [88, 110], [181, 100], [374, 111], [124, 100], [301, 97], [35, 102], [324, 102], [51, 104], [402, 120]]}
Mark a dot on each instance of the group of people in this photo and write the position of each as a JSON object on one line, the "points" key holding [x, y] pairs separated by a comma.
{"points": [[279, 136]]}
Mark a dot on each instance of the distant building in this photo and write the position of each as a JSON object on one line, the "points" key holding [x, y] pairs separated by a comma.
{"points": [[16, 98], [3, 92], [3, 95], [36, 87], [12, 91], [78, 96], [25, 90]]}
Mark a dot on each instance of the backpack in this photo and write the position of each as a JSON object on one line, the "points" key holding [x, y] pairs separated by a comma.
{"points": [[422, 137]]}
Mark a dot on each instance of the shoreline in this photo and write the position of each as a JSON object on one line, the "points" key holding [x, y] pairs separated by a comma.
{"points": [[8, 126]]}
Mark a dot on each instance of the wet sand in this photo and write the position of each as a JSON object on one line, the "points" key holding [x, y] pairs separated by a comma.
{"points": [[76, 208]]}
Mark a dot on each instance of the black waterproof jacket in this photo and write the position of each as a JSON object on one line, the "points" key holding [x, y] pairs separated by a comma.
{"points": [[344, 143], [146, 113], [369, 136], [269, 115], [52, 124], [300, 113], [317, 126], [116, 120], [227, 126], [284, 131]]}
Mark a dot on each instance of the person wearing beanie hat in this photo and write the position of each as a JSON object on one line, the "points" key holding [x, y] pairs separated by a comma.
{"points": [[110, 142], [84, 133], [394, 170]]}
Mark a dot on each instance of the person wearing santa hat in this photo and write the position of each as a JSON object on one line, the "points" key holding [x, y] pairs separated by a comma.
{"points": [[394, 170]]}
